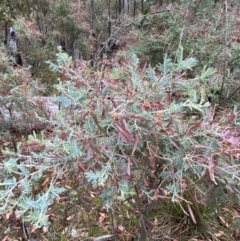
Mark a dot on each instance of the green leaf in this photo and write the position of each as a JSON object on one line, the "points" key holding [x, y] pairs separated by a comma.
{"points": [[188, 64], [98, 177], [166, 67], [134, 60], [206, 73], [151, 75], [179, 55], [38, 218], [10, 165]]}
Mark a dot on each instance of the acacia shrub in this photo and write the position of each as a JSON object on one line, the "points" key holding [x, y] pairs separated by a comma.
{"points": [[151, 136], [148, 139]]}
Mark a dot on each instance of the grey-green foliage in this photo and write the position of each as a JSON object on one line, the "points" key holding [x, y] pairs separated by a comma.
{"points": [[17, 180], [99, 177], [191, 102], [124, 134]]}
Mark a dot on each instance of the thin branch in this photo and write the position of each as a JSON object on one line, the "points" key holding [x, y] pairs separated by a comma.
{"points": [[121, 30]]}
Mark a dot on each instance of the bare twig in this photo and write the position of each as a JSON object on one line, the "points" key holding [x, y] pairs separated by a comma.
{"points": [[104, 238]]}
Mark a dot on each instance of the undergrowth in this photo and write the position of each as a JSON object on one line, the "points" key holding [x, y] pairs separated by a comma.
{"points": [[150, 143]]}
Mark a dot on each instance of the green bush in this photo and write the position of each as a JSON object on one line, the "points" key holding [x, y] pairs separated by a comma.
{"points": [[151, 140]]}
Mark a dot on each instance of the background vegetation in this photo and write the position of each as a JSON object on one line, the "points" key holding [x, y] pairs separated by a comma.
{"points": [[122, 123]]}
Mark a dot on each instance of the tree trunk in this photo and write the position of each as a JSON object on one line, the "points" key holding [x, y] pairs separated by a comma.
{"points": [[93, 15], [6, 32], [134, 8], [109, 18], [119, 6], [76, 56]]}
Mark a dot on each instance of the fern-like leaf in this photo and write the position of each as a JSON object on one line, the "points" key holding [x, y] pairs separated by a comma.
{"points": [[166, 67]]}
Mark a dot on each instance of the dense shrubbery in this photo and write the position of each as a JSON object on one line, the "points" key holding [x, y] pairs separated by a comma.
{"points": [[150, 139], [143, 142]]}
